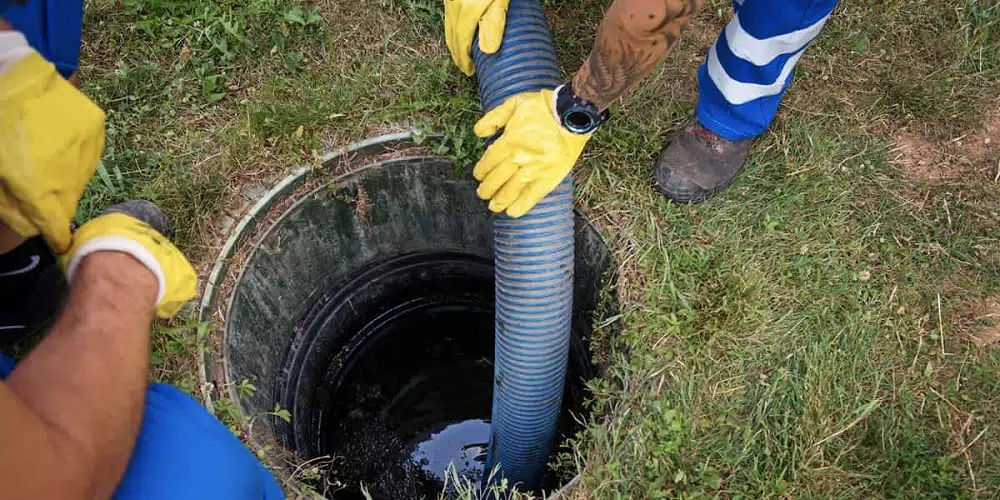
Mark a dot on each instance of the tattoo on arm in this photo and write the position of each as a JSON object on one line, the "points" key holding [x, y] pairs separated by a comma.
{"points": [[634, 37]]}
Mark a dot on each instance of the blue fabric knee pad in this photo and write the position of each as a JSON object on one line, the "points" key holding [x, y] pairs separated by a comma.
{"points": [[183, 452], [52, 27]]}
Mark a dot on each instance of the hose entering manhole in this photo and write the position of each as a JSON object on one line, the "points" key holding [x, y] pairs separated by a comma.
{"points": [[534, 273], [331, 275]]}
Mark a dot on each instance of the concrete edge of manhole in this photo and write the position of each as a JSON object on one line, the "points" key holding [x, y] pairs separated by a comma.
{"points": [[248, 225]]}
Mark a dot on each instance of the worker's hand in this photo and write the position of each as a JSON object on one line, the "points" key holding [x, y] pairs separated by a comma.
{"points": [[532, 156], [51, 138], [462, 18], [123, 233]]}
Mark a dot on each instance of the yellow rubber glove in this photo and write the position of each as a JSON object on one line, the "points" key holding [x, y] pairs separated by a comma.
{"points": [[51, 138], [532, 156], [462, 18], [122, 233]]}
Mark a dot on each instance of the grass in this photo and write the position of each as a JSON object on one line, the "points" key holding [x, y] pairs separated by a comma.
{"points": [[813, 332]]}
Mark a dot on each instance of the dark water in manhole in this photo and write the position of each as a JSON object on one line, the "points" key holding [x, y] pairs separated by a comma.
{"points": [[412, 392]]}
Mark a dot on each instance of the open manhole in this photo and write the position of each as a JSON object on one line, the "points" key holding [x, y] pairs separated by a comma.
{"points": [[362, 304]]}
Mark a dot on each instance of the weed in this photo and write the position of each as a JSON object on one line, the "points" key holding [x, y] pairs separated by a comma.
{"points": [[457, 487], [281, 413], [175, 351], [427, 12]]}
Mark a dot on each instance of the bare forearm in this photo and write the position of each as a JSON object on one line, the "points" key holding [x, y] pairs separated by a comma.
{"points": [[86, 381], [633, 38]]}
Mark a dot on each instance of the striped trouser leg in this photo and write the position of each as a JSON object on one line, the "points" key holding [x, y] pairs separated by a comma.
{"points": [[750, 65]]}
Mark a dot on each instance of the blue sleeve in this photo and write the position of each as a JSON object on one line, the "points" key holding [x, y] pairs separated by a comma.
{"points": [[53, 27], [6, 366]]}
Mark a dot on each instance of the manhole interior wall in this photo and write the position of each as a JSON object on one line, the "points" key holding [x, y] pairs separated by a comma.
{"points": [[402, 238]]}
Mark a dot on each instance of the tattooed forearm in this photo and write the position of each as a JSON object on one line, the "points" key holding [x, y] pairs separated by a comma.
{"points": [[634, 36]]}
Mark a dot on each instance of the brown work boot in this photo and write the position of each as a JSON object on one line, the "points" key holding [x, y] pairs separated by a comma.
{"points": [[697, 163]]}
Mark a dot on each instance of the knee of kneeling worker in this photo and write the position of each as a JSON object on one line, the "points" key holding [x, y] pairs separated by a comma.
{"points": [[182, 451]]}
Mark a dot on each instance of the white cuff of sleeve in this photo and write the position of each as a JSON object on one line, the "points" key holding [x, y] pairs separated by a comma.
{"points": [[555, 98], [13, 48], [124, 245]]}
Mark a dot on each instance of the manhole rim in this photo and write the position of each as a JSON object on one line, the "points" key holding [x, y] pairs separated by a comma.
{"points": [[354, 154], [248, 225]]}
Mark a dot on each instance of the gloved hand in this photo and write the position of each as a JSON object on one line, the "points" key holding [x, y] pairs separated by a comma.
{"points": [[532, 156], [123, 233], [51, 138], [462, 17]]}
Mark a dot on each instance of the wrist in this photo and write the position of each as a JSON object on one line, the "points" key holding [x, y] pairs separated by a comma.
{"points": [[9, 239], [119, 274], [576, 114], [125, 249]]}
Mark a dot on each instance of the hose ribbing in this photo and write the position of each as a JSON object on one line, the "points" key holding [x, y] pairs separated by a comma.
{"points": [[534, 257]]}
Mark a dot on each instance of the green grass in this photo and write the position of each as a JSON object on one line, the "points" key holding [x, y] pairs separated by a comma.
{"points": [[805, 334]]}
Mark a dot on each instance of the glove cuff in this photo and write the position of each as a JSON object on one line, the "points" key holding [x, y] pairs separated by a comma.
{"points": [[555, 103], [13, 47], [124, 245]]}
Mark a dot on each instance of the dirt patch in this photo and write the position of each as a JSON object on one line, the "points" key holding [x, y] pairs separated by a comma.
{"points": [[985, 143], [971, 157], [980, 323], [920, 159]]}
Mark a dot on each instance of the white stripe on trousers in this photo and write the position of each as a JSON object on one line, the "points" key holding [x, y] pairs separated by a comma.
{"points": [[762, 51], [758, 52], [737, 92]]}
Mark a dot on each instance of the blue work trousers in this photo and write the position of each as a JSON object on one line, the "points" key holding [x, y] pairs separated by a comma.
{"points": [[750, 65]]}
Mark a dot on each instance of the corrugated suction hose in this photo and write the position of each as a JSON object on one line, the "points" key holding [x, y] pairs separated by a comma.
{"points": [[534, 272]]}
